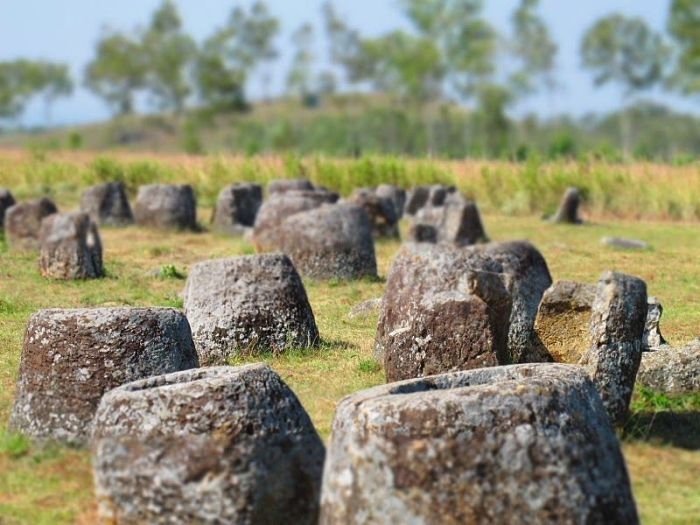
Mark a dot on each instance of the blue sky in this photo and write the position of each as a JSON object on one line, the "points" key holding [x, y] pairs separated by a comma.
{"points": [[66, 30]]}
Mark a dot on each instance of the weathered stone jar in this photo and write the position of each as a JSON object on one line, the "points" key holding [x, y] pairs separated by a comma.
{"points": [[516, 444], [214, 445], [107, 204], [70, 247], [247, 304], [23, 222], [71, 358], [166, 206]]}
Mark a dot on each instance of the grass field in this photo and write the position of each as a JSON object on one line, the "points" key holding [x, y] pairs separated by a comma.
{"points": [[53, 485]]}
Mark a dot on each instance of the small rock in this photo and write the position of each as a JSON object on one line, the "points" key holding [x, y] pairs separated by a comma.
{"points": [[366, 308], [23, 223], [214, 445], [70, 247], [107, 204], [166, 206], [237, 207], [624, 244], [247, 304], [653, 339], [70, 358], [517, 444], [672, 370]]}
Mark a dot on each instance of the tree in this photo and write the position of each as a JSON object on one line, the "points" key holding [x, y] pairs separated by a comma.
{"points": [[118, 71], [684, 28], [233, 52], [299, 78], [169, 52], [23, 80], [534, 50], [627, 52]]}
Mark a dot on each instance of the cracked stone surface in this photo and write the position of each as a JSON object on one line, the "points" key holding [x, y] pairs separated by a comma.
{"points": [[23, 223], [422, 270], [70, 358], [244, 305], [617, 328], [70, 247], [107, 204], [166, 206], [672, 370], [516, 444], [210, 446]]}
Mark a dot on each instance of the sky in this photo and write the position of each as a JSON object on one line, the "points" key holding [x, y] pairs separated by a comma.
{"points": [[67, 30]]}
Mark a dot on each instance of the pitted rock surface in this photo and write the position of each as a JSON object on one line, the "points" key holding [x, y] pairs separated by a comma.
{"points": [[653, 340], [617, 327], [563, 323], [6, 202], [517, 444], [424, 269], [568, 208], [70, 247], [395, 194], [23, 222], [330, 242], [280, 206], [237, 207], [166, 206], [70, 358], [672, 370], [107, 204], [247, 304], [380, 210], [209, 446], [287, 185]]}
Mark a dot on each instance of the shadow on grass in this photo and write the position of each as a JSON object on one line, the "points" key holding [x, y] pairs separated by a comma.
{"points": [[678, 429]]}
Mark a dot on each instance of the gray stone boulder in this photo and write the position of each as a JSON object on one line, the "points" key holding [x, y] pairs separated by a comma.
{"points": [[617, 328], [365, 309], [107, 204], [395, 194], [214, 445], [422, 270], [245, 305], [279, 207], [563, 323], [381, 212], [237, 207], [330, 242], [624, 244], [416, 199], [6, 202], [70, 247], [70, 358], [23, 222], [653, 340], [568, 208], [519, 444], [672, 370], [166, 206], [287, 185]]}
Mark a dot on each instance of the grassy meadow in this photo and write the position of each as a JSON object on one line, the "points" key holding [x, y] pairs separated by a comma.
{"points": [[658, 204]]}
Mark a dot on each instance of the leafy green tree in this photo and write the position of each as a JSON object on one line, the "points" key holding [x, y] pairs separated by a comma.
{"points": [[300, 76], [534, 50], [684, 28], [233, 52], [118, 71], [22, 80], [627, 52], [169, 53]]}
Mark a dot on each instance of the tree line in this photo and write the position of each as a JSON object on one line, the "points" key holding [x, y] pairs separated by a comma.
{"points": [[449, 52]]}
